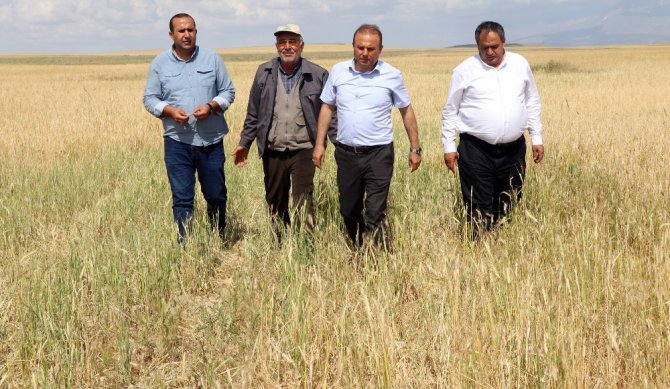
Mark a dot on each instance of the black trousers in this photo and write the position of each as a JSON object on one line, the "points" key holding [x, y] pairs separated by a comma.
{"points": [[290, 171], [491, 179], [364, 179]]}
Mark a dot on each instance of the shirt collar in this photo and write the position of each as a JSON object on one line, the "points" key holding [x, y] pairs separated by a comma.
{"points": [[487, 66], [377, 67], [176, 57], [295, 71]]}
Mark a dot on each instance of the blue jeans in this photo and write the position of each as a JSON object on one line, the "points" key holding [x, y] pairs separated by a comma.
{"points": [[182, 161]]}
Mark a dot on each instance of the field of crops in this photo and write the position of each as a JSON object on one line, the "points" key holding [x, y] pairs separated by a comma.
{"points": [[96, 292]]}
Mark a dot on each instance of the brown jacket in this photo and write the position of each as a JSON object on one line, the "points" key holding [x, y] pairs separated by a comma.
{"points": [[262, 96]]}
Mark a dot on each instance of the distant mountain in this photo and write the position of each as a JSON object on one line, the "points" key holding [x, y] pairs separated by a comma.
{"points": [[474, 46], [591, 37]]}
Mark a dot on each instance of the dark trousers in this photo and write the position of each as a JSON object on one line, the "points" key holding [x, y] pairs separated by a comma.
{"points": [[294, 171], [363, 179], [491, 179], [182, 161]]}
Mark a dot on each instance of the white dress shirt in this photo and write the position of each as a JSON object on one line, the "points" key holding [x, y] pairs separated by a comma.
{"points": [[495, 105], [364, 102]]}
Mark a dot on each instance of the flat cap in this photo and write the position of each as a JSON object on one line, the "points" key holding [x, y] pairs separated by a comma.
{"points": [[292, 28]]}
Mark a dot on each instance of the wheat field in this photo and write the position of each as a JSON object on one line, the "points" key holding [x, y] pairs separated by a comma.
{"points": [[573, 292]]}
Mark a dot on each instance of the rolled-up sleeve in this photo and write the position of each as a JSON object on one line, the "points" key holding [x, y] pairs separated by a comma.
{"points": [[153, 95], [224, 85]]}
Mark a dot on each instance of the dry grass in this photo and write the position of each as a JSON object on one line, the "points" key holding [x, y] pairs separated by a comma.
{"points": [[572, 293]]}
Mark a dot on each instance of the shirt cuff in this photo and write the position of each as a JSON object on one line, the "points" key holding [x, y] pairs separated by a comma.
{"points": [[450, 147], [223, 104], [536, 139], [158, 108]]}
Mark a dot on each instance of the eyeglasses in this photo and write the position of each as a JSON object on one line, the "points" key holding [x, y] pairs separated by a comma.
{"points": [[289, 42]]}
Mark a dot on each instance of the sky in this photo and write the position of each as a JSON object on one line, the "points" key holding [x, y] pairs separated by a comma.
{"points": [[108, 26]]}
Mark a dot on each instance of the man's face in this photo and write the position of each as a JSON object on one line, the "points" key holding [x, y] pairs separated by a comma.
{"points": [[289, 47], [367, 49], [491, 48], [183, 34]]}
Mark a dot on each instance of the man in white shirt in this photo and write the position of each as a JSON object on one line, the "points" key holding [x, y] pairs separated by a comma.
{"points": [[364, 91], [492, 100]]}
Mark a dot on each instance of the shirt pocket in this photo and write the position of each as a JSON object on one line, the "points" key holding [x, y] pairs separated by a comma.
{"points": [[205, 77], [170, 81], [300, 119]]}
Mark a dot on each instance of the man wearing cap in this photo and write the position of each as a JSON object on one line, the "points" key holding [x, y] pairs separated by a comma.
{"points": [[364, 91], [282, 117], [189, 89]]}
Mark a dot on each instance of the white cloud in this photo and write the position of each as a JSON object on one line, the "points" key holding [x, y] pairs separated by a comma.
{"points": [[5, 12], [67, 11], [117, 12], [237, 12], [44, 12], [422, 6], [99, 25]]}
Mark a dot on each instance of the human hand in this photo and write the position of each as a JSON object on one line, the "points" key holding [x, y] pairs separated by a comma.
{"points": [[414, 161], [179, 115], [240, 155], [451, 160], [319, 156], [538, 153], [202, 111]]}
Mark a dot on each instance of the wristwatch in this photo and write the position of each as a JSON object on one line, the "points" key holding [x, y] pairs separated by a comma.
{"points": [[417, 150]]}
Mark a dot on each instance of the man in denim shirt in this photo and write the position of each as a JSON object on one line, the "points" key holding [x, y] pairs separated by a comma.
{"points": [[189, 89]]}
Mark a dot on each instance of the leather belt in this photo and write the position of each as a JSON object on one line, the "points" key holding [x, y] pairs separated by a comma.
{"points": [[358, 149]]}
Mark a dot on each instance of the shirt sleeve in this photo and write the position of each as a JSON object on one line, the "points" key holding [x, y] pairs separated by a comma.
{"points": [[329, 92], [399, 92], [450, 112], [250, 127], [533, 108], [153, 95], [224, 86]]}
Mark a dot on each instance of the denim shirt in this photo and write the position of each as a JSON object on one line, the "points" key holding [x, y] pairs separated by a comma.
{"points": [[187, 85]]}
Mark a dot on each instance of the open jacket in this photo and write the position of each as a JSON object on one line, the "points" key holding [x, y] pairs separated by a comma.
{"points": [[262, 99]]}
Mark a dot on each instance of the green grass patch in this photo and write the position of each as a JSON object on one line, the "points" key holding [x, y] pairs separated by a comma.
{"points": [[555, 67]]}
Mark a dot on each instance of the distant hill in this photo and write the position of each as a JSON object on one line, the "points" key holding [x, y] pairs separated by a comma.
{"points": [[474, 46], [593, 36]]}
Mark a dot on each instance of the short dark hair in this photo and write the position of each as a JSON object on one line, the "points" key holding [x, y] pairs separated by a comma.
{"points": [[179, 16], [490, 26], [369, 28]]}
